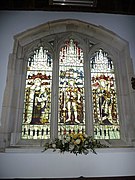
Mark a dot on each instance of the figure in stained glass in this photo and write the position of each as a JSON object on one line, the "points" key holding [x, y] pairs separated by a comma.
{"points": [[104, 99], [71, 88], [37, 102], [71, 103], [105, 110]]}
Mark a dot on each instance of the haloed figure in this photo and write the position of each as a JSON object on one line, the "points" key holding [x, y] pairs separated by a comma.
{"points": [[39, 103]]}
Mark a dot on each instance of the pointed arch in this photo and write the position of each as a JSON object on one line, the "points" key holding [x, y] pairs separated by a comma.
{"points": [[51, 35]]}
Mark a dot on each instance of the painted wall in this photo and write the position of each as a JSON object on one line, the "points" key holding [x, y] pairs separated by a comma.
{"points": [[107, 163], [112, 162]]}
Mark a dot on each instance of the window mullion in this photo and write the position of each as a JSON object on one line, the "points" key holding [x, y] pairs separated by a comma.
{"points": [[88, 96], [54, 103]]}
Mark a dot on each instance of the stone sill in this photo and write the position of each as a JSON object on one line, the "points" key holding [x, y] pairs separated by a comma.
{"points": [[50, 151]]}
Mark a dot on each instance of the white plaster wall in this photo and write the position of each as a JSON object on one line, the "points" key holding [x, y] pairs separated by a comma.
{"points": [[118, 162], [107, 163]]}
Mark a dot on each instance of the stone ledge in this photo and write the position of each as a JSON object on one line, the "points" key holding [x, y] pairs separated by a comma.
{"points": [[40, 149]]}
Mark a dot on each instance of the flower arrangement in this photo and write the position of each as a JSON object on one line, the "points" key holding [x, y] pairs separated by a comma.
{"points": [[79, 143]]}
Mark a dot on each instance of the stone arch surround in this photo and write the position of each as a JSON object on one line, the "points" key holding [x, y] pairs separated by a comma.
{"points": [[26, 41]]}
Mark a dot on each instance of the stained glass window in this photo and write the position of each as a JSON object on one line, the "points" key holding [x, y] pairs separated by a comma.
{"points": [[71, 99], [105, 107], [37, 101], [71, 89]]}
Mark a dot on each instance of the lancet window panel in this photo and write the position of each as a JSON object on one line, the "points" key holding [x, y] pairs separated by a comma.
{"points": [[37, 100], [104, 97], [71, 116]]}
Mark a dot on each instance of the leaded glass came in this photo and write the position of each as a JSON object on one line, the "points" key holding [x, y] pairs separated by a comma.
{"points": [[37, 101], [105, 107], [71, 89]]}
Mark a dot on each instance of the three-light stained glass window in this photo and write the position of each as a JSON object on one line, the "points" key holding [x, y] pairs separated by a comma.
{"points": [[104, 98], [71, 96], [37, 101]]}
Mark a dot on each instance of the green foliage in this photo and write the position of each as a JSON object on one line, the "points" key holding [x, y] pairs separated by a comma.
{"points": [[74, 143]]}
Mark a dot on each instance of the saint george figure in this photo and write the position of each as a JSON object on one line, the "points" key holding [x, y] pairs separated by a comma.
{"points": [[71, 102]]}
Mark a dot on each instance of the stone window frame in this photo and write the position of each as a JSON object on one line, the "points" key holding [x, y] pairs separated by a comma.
{"points": [[52, 35]]}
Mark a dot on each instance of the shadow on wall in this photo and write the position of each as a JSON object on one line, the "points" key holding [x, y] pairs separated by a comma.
{"points": [[133, 82]]}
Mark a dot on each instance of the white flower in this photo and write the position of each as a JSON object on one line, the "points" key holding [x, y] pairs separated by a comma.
{"points": [[68, 139], [60, 137], [64, 141], [85, 135], [71, 147], [78, 141], [53, 145]]}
